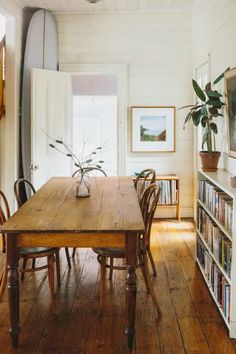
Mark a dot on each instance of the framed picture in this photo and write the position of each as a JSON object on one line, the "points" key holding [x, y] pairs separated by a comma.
{"points": [[230, 95], [153, 129]]}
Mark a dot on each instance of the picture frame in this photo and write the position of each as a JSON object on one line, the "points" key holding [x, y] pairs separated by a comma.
{"points": [[230, 100], [153, 128]]}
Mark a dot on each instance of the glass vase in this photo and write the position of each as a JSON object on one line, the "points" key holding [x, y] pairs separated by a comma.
{"points": [[82, 185]]}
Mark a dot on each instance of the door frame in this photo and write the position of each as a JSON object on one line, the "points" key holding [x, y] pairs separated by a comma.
{"points": [[120, 70]]}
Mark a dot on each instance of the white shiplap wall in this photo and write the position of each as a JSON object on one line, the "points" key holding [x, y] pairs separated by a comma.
{"points": [[214, 29], [9, 124], [158, 50]]}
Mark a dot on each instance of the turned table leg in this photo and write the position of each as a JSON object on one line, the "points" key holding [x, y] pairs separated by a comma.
{"points": [[131, 287], [13, 287]]}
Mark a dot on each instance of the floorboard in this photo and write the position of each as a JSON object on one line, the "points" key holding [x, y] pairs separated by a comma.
{"points": [[191, 323]]}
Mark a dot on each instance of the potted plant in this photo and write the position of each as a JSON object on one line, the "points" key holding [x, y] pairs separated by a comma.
{"points": [[205, 112]]}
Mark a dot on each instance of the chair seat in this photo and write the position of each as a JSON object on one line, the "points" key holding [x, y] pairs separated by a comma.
{"points": [[111, 252], [38, 250]]}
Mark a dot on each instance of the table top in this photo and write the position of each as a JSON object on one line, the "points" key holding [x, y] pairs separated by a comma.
{"points": [[112, 206]]}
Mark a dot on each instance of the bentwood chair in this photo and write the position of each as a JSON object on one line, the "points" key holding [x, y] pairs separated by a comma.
{"points": [[29, 253], [30, 190], [148, 206], [143, 180], [88, 169]]}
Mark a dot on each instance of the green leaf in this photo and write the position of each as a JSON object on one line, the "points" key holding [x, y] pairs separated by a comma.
{"points": [[220, 77], [77, 165], [188, 117], [189, 105], [213, 94], [196, 117], [88, 161], [51, 145], [213, 127], [99, 148], [208, 87], [216, 103], [59, 141], [198, 91], [98, 166], [101, 161], [69, 155], [204, 110], [204, 121], [196, 107]]}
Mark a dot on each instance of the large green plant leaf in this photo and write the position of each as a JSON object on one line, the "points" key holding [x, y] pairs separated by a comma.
{"points": [[196, 116], [198, 91], [220, 77], [213, 94], [188, 117], [213, 127], [189, 105], [204, 110], [215, 102], [204, 121], [208, 87]]}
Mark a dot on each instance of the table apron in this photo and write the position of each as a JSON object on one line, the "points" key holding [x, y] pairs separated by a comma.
{"points": [[85, 239]]}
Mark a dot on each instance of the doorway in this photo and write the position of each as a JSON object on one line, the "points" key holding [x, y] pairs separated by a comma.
{"points": [[94, 119]]}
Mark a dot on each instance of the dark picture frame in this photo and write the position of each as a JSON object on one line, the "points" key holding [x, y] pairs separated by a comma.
{"points": [[230, 95]]}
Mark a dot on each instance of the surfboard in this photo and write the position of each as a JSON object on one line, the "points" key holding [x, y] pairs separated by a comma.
{"points": [[41, 51]]}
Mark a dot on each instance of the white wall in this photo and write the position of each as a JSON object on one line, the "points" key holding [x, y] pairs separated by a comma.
{"points": [[158, 50], [9, 123], [214, 29]]}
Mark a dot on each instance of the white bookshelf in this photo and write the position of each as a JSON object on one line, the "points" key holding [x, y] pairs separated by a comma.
{"points": [[220, 180]]}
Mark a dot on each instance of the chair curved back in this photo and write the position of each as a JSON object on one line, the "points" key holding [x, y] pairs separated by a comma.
{"points": [[148, 204], [4, 215], [89, 169], [147, 176], [28, 184]]}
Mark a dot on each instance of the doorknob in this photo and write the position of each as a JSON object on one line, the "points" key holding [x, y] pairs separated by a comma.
{"points": [[33, 167]]}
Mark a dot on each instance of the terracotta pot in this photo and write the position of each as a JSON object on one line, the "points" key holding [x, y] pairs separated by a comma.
{"points": [[209, 160]]}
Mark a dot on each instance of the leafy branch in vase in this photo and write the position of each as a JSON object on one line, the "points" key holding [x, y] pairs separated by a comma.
{"points": [[91, 161]]}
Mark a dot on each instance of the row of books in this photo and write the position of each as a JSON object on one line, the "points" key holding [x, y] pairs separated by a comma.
{"points": [[168, 193], [218, 243], [216, 281], [218, 202]]}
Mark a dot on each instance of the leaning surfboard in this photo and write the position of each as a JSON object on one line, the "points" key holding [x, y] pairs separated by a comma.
{"points": [[41, 51]]}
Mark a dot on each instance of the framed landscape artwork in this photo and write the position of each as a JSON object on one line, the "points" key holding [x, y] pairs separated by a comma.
{"points": [[230, 94], [153, 129]]}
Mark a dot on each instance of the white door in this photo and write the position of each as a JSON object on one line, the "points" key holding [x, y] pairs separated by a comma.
{"points": [[51, 117]]}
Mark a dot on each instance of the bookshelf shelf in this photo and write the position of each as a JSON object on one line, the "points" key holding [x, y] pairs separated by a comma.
{"points": [[170, 185], [213, 296], [223, 229], [215, 237]]}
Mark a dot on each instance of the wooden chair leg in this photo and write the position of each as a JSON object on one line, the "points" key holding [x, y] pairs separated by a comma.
{"points": [[150, 286], [51, 282], [102, 280], [111, 269], [68, 257], [73, 253], [141, 261], [3, 282], [58, 268], [33, 263], [23, 267], [152, 262]]}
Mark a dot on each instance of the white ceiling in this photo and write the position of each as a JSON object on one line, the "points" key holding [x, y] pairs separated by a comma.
{"points": [[109, 5]]}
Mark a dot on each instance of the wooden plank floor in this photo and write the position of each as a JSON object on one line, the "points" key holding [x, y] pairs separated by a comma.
{"points": [[191, 323]]}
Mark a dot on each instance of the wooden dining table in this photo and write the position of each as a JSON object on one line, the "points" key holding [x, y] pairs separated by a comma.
{"points": [[55, 217]]}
